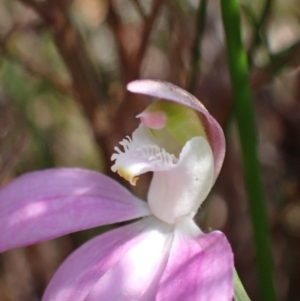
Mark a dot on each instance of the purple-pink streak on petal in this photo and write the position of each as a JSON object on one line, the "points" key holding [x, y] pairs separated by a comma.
{"points": [[198, 269], [46, 204], [123, 264], [169, 91]]}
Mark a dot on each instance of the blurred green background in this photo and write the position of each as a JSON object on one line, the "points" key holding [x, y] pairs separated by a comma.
{"points": [[63, 69]]}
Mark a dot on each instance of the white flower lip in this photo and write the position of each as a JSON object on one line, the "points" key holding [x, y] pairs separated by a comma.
{"points": [[179, 185], [138, 158], [179, 192]]}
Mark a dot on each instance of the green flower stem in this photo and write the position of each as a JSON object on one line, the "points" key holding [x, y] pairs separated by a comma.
{"points": [[244, 115]]}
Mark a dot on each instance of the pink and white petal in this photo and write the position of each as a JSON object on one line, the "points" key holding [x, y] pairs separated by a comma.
{"points": [[179, 191], [46, 204], [199, 269], [169, 91], [123, 264]]}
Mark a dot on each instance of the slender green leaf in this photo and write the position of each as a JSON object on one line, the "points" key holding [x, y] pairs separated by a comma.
{"points": [[244, 115]]}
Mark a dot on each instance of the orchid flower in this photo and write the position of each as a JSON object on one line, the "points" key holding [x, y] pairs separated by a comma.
{"points": [[162, 255]]}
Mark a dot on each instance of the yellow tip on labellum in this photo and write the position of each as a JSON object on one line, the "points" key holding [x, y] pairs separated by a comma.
{"points": [[134, 180], [124, 174]]}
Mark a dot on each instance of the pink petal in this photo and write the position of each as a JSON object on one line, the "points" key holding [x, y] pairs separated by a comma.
{"points": [[50, 203], [169, 91], [123, 264], [198, 269]]}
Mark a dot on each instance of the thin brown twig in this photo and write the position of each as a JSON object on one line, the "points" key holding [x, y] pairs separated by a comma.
{"points": [[85, 80], [42, 8], [146, 32], [131, 61], [116, 26], [140, 9], [76, 58]]}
